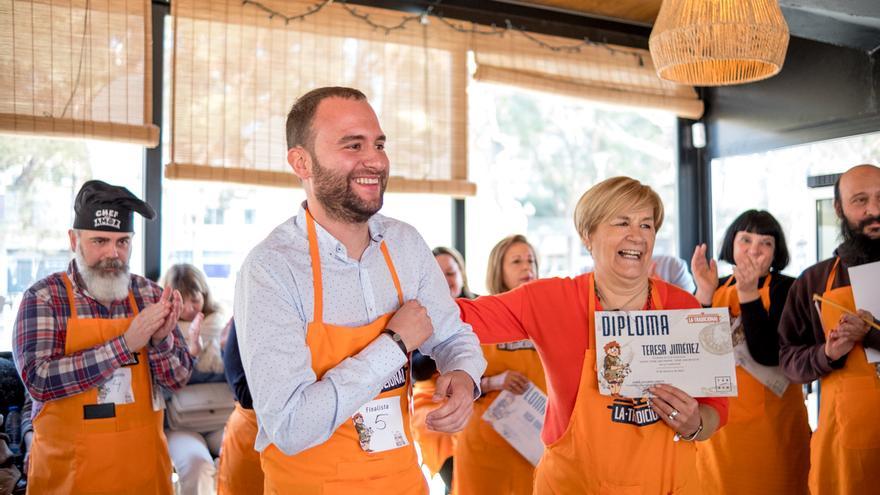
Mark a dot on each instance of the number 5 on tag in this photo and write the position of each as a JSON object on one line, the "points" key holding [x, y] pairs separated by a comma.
{"points": [[379, 425]]}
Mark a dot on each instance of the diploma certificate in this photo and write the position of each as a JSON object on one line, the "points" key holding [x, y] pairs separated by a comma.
{"points": [[691, 349]]}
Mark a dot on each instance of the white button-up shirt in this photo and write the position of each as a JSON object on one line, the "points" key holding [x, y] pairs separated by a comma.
{"points": [[274, 302]]}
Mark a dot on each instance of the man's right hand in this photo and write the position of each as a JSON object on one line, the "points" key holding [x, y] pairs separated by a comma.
{"points": [[412, 323], [145, 325]]}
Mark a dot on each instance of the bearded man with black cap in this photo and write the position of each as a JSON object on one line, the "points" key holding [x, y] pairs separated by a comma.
{"points": [[822, 342], [93, 346]]}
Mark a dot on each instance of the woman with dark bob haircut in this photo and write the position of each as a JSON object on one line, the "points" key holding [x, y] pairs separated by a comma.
{"points": [[765, 446]]}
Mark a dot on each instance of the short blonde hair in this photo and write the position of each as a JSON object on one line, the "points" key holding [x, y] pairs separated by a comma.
{"points": [[611, 197], [495, 271]]}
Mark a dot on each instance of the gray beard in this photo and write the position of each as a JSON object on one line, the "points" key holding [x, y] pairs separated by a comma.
{"points": [[105, 289]]}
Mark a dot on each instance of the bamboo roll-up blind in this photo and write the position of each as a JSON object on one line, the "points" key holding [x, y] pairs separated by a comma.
{"points": [[77, 68], [610, 74], [237, 70]]}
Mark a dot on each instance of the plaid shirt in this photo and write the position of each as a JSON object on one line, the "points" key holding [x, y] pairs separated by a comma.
{"points": [[40, 333]]}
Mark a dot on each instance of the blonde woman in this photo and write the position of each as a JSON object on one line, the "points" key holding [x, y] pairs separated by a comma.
{"points": [[485, 463], [202, 323], [597, 444]]}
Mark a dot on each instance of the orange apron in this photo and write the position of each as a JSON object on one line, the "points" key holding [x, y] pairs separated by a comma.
{"points": [[765, 446], [125, 454], [436, 447], [598, 455], [484, 462], [240, 472], [845, 449], [339, 465]]}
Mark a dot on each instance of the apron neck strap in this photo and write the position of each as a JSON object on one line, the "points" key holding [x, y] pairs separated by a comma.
{"points": [[832, 275], [317, 280], [315, 254], [71, 301], [393, 271]]}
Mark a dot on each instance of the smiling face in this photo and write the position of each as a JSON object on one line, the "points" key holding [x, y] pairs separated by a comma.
{"points": [[622, 246], [759, 248], [349, 167], [452, 272], [518, 265]]}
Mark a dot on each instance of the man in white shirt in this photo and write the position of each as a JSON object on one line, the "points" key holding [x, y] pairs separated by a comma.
{"points": [[328, 308]]}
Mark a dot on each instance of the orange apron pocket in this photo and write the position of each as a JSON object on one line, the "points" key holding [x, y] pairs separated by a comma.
{"points": [[97, 460], [855, 406]]}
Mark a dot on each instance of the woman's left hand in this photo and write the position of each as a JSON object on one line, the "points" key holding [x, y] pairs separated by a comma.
{"points": [[676, 408]]}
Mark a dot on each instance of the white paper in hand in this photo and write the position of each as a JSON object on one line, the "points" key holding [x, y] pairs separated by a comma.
{"points": [[866, 292], [519, 420]]}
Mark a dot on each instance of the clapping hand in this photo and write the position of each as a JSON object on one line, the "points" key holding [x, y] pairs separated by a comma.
{"points": [[173, 299], [193, 334], [705, 273]]}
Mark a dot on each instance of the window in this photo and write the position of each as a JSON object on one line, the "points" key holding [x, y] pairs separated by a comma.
{"points": [[215, 247], [533, 155], [430, 214], [214, 216], [806, 214], [39, 179]]}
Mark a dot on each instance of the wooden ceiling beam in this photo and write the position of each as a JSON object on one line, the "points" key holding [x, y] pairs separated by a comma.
{"points": [[538, 20]]}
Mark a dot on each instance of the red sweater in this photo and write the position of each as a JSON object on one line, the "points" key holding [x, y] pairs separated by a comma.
{"points": [[552, 313]]}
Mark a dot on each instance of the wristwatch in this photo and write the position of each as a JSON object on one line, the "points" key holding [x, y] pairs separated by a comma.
{"points": [[397, 339]]}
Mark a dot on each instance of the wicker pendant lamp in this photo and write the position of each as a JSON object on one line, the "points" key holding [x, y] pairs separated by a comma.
{"points": [[718, 42]]}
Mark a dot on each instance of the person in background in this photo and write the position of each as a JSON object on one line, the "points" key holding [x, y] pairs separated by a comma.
{"points": [[674, 270], [822, 341], [203, 322], [94, 345], [598, 444], [239, 471], [765, 447], [12, 399], [436, 447], [484, 461]]}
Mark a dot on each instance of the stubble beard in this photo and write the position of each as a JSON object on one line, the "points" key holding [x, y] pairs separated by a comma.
{"points": [[339, 201]]}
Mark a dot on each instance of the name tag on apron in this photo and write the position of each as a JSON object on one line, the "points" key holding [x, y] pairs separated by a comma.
{"points": [[117, 389], [379, 425]]}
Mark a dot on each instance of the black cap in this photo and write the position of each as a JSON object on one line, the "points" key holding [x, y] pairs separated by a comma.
{"points": [[101, 206]]}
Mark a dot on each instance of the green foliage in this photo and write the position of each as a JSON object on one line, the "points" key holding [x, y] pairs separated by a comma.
{"points": [[572, 145], [31, 168]]}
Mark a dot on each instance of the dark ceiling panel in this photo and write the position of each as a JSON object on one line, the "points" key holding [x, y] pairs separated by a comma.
{"points": [[832, 30], [847, 23]]}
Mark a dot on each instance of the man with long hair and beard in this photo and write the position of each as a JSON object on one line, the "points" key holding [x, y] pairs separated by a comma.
{"points": [[327, 310], [823, 342], [93, 345]]}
